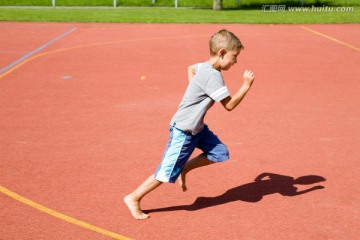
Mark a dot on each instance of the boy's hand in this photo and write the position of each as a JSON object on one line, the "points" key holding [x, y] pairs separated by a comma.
{"points": [[249, 77]]}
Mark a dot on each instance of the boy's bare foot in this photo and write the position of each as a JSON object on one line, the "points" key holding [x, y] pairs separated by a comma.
{"points": [[134, 207], [182, 181]]}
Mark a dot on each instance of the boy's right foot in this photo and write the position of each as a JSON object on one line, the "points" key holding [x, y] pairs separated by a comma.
{"points": [[134, 207]]}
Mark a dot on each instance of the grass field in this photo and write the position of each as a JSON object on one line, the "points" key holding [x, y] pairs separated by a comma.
{"points": [[170, 15], [250, 12], [181, 3]]}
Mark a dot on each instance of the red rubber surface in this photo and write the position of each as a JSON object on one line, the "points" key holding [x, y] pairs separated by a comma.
{"points": [[85, 121]]}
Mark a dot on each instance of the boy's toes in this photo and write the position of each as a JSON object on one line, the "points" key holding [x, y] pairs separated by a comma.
{"points": [[182, 183]]}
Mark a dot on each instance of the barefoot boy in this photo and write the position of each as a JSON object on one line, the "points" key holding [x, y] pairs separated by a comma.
{"points": [[187, 128]]}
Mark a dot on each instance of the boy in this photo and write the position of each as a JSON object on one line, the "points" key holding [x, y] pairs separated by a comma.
{"points": [[187, 128]]}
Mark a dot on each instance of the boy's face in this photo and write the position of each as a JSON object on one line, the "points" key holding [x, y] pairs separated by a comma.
{"points": [[228, 58]]}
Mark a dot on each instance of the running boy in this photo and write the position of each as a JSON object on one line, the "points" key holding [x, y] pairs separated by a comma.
{"points": [[187, 128]]}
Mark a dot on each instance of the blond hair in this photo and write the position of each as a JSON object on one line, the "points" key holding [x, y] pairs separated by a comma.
{"points": [[226, 40]]}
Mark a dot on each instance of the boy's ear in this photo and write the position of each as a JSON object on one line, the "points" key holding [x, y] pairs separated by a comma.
{"points": [[222, 52]]}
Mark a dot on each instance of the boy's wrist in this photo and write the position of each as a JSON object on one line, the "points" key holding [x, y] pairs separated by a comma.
{"points": [[246, 86]]}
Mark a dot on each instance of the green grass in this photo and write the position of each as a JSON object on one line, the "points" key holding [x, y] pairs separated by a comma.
{"points": [[170, 15], [251, 12], [181, 3]]}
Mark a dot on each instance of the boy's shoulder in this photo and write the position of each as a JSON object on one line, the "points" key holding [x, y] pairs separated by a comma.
{"points": [[202, 66], [206, 72], [205, 69]]}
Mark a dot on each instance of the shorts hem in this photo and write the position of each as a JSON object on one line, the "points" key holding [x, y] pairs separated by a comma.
{"points": [[163, 180], [213, 159]]}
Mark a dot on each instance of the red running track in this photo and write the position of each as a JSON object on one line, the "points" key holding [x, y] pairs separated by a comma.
{"points": [[84, 120]]}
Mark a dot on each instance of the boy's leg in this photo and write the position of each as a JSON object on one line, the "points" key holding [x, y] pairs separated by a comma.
{"points": [[213, 151], [177, 152], [199, 161], [132, 200]]}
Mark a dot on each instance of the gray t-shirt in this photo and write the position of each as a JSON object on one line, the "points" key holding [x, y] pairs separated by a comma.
{"points": [[204, 89]]}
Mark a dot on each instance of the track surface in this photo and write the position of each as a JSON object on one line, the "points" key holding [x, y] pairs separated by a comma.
{"points": [[84, 119]]}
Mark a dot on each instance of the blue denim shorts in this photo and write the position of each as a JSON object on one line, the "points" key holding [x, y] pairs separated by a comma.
{"points": [[181, 145]]}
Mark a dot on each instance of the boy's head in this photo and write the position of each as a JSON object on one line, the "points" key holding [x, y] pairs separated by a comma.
{"points": [[226, 40]]}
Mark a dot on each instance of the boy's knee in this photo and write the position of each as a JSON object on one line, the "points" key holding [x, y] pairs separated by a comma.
{"points": [[219, 154]]}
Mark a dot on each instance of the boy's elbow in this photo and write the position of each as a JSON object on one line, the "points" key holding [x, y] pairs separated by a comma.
{"points": [[191, 72], [191, 69], [229, 108], [227, 104]]}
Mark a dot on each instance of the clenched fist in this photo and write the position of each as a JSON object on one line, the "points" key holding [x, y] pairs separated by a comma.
{"points": [[249, 77]]}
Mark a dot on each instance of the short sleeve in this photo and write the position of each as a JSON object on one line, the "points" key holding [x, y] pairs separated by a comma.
{"points": [[216, 88], [197, 66]]}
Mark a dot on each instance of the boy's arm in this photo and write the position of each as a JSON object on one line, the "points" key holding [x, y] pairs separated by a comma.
{"points": [[230, 103], [261, 176], [191, 72]]}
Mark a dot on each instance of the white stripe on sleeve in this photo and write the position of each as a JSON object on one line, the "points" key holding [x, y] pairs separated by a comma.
{"points": [[218, 93]]}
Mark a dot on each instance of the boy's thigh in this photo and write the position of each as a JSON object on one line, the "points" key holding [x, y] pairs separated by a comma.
{"points": [[178, 150], [212, 146]]}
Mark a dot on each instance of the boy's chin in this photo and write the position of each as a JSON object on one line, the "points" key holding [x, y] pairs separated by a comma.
{"points": [[226, 68]]}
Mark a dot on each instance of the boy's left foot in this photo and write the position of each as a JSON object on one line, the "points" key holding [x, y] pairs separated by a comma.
{"points": [[134, 207]]}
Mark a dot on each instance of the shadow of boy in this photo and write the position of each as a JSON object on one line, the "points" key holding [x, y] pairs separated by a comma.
{"points": [[264, 184]]}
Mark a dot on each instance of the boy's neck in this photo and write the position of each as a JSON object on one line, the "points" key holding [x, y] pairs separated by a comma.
{"points": [[215, 62]]}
